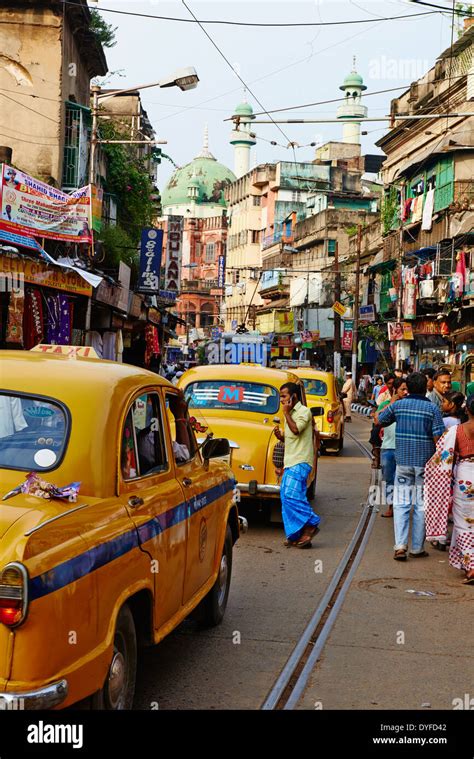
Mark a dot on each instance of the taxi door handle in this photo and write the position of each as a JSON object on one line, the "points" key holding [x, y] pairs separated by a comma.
{"points": [[187, 482], [135, 501]]}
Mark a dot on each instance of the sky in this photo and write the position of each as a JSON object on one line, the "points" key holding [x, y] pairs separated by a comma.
{"points": [[282, 67]]}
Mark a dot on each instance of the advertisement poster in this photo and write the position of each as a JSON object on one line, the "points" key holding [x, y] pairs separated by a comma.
{"points": [[346, 341], [221, 272], [400, 331], [173, 253], [28, 206], [151, 245]]}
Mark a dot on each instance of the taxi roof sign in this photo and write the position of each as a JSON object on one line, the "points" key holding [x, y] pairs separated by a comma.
{"points": [[72, 351]]}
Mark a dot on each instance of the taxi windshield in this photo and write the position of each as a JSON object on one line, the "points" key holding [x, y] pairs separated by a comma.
{"points": [[33, 432], [315, 387], [233, 396]]}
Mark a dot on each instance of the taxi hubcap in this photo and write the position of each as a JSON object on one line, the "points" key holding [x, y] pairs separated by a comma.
{"points": [[116, 678], [223, 571]]}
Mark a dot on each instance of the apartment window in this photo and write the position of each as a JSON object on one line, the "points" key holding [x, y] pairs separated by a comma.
{"points": [[296, 196], [255, 233], [210, 252], [256, 200], [332, 247], [77, 122]]}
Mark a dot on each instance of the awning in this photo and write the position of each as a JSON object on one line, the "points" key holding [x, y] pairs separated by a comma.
{"points": [[382, 266], [422, 254]]}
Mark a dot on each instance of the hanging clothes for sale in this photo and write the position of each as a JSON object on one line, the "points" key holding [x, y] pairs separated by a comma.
{"points": [[461, 268], [119, 346], [58, 330], [428, 208], [109, 346], [152, 343], [33, 329], [14, 333], [410, 281], [426, 288], [94, 339]]}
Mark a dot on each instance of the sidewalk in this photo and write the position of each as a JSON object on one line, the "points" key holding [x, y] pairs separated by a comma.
{"points": [[394, 649]]}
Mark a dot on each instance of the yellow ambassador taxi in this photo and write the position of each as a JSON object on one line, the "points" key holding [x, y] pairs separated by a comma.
{"points": [[323, 399], [241, 402], [147, 541]]}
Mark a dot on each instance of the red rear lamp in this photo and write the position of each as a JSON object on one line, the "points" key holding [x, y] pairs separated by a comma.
{"points": [[13, 594], [330, 417]]}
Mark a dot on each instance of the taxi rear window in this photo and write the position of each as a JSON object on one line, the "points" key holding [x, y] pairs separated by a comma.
{"points": [[33, 432], [233, 396], [315, 387]]}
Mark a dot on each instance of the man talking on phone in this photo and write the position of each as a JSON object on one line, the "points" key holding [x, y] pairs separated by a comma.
{"points": [[299, 520]]}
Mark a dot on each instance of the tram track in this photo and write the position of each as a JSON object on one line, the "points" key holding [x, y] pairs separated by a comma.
{"points": [[293, 678]]}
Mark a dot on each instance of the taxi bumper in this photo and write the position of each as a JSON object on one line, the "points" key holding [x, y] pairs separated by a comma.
{"points": [[43, 698], [256, 488]]}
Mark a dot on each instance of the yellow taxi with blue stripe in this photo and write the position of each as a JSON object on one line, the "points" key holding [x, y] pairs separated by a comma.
{"points": [[90, 572], [241, 402]]}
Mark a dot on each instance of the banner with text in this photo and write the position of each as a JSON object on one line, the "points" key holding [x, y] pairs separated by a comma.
{"points": [[151, 246], [173, 253], [32, 207], [347, 335]]}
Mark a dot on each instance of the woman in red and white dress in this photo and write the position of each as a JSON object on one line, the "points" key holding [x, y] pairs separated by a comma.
{"points": [[449, 486]]}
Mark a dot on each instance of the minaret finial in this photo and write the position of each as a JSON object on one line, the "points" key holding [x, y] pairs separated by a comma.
{"points": [[205, 145], [353, 63]]}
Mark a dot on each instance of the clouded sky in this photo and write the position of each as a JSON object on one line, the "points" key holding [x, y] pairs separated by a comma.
{"points": [[282, 66]]}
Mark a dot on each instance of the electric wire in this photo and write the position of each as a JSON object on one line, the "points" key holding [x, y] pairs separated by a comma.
{"points": [[257, 24]]}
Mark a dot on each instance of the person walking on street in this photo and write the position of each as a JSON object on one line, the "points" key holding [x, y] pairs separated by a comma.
{"points": [[349, 389], [441, 386], [300, 521], [449, 486], [419, 426], [389, 445]]}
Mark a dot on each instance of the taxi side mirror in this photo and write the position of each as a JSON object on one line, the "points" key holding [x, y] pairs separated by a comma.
{"points": [[215, 448]]}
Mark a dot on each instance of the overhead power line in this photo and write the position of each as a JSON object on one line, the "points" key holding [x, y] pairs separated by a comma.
{"points": [[269, 24]]}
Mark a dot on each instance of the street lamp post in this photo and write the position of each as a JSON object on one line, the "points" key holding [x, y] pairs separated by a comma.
{"points": [[185, 79]]}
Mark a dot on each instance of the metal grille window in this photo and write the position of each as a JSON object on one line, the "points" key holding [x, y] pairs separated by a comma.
{"points": [[77, 122]]}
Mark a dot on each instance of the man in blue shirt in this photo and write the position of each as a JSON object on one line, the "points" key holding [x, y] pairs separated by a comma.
{"points": [[419, 425]]}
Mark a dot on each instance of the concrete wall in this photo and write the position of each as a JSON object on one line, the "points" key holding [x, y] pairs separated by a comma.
{"points": [[30, 63]]}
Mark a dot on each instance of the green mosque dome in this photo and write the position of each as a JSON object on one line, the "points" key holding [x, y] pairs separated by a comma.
{"points": [[244, 109], [353, 80], [204, 172]]}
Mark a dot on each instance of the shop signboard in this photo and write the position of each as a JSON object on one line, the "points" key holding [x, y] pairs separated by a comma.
{"points": [[221, 272], [168, 294], [31, 207], [285, 341], [173, 253], [338, 308], [233, 324], [37, 273], [151, 245], [347, 335], [429, 327], [367, 314]]}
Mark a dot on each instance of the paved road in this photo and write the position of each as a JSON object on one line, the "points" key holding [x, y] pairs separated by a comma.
{"points": [[273, 595]]}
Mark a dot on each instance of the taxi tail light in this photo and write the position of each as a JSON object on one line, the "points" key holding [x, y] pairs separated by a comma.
{"points": [[330, 417], [13, 594]]}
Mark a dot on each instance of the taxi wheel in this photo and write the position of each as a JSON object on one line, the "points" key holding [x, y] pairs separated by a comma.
{"points": [[119, 687], [211, 610]]}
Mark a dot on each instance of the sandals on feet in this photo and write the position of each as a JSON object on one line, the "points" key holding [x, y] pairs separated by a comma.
{"points": [[400, 554], [439, 546], [420, 555]]}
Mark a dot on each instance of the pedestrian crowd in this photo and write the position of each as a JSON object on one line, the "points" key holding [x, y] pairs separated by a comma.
{"points": [[423, 440]]}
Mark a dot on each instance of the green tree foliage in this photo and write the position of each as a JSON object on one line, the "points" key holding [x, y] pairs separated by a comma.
{"points": [[104, 32], [128, 179], [119, 246]]}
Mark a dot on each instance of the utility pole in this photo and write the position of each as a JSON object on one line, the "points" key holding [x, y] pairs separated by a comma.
{"points": [[337, 318], [356, 306], [398, 357], [94, 136]]}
